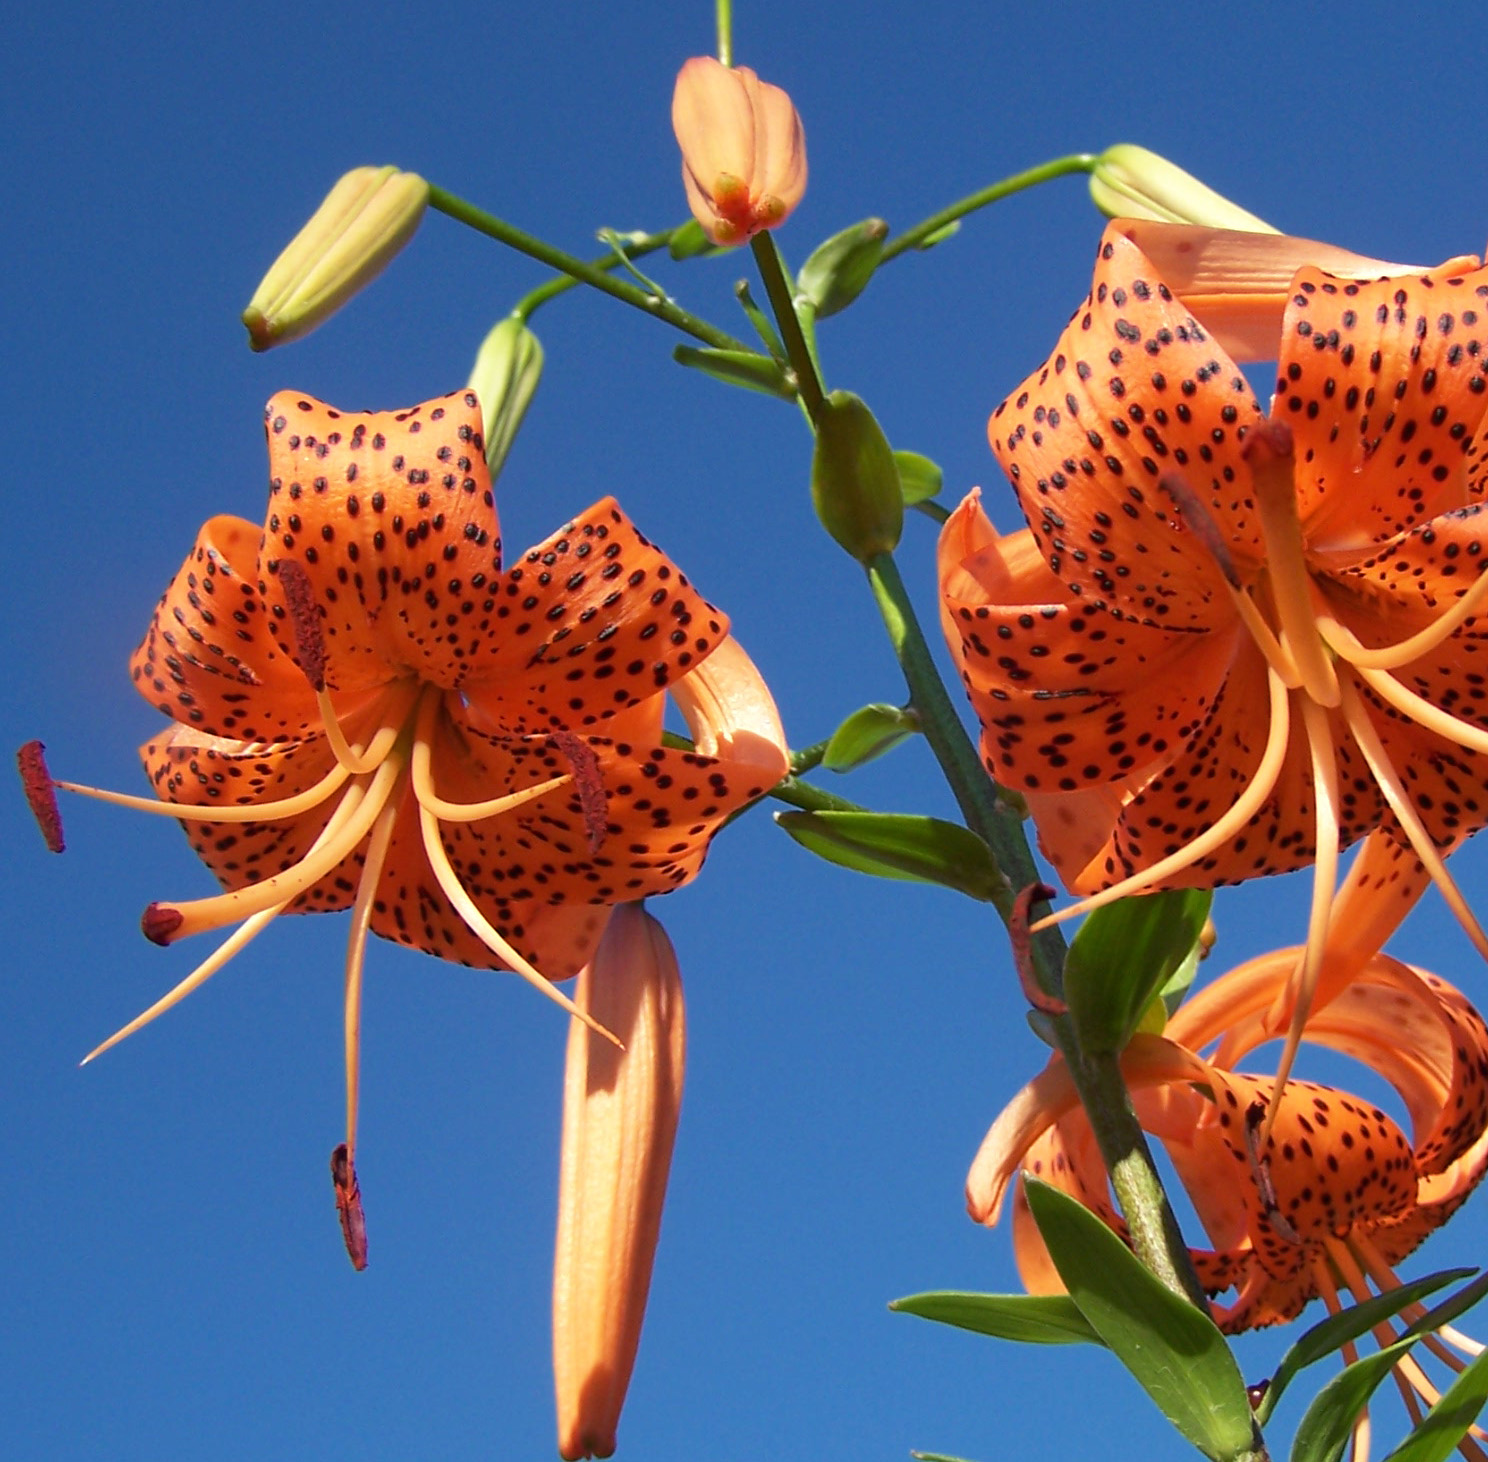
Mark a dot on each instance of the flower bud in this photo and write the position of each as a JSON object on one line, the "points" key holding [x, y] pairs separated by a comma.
{"points": [[838, 271], [1131, 182], [366, 218], [507, 368], [855, 479], [743, 149], [619, 1119]]}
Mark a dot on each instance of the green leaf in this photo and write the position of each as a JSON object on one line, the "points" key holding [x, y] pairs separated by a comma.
{"points": [[944, 232], [689, 241], [1173, 1349], [1454, 1305], [1325, 1337], [919, 478], [868, 733], [1325, 1428], [899, 845], [747, 368], [1122, 956], [1435, 1439], [935, 1457], [839, 270], [1034, 1319]]}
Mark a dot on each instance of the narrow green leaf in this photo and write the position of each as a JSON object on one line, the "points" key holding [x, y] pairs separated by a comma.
{"points": [[946, 231], [1173, 1349], [1454, 1305], [935, 1457], [919, 478], [1326, 1337], [898, 845], [868, 733], [1324, 1429], [689, 241], [1034, 1319], [1123, 955], [1436, 1438], [747, 368]]}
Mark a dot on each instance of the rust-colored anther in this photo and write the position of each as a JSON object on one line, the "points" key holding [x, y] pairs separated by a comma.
{"points": [[1018, 933], [304, 616], [588, 783], [349, 1207], [41, 793], [159, 922]]}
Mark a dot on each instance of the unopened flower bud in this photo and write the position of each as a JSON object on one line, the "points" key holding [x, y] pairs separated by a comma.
{"points": [[620, 1112], [1131, 182], [507, 368], [838, 271], [855, 479], [743, 149], [366, 218]]}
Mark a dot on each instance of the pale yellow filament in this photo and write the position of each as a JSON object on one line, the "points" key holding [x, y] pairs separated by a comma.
{"points": [[1343, 642], [392, 712]]}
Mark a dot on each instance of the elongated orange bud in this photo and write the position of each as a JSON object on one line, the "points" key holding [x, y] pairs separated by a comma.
{"points": [[619, 1119], [743, 149]]}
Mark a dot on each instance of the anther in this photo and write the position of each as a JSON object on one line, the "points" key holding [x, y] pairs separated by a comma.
{"points": [[41, 793], [1022, 942], [304, 616], [1200, 522], [1260, 1170], [592, 799], [159, 922], [349, 1207]]}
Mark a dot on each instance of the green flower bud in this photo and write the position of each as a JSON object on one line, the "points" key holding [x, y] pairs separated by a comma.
{"points": [[366, 218], [839, 270], [1131, 182], [855, 479], [507, 368]]}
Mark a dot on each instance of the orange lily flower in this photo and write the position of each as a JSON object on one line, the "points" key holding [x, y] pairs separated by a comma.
{"points": [[1324, 1194], [371, 713], [743, 149], [1229, 643]]}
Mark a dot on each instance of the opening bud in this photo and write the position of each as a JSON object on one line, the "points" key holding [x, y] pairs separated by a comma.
{"points": [[366, 218], [620, 1108], [507, 368], [855, 479], [743, 149], [1130, 182]]}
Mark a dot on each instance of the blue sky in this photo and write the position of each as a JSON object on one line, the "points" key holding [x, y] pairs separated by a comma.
{"points": [[170, 1268]]}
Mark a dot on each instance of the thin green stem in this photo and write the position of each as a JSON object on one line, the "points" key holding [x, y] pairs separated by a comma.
{"points": [[777, 286], [581, 270], [808, 758], [724, 10], [933, 510], [1155, 1235], [635, 249], [1059, 167], [805, 794]]}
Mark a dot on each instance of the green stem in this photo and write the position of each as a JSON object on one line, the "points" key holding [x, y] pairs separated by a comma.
{"points": [[638, 249], [804, 794], [777, 286], [580, 270], [1155, 1235], [808, 758], [724, 11], [1059, 167]]}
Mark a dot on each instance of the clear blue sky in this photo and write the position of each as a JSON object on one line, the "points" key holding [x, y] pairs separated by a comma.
{"points": [[171, 1276]]}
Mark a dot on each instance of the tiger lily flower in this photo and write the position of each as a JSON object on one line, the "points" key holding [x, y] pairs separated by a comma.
{"points": [[1323, 1194], [743, 149], [372, 713], [1231, 643]]}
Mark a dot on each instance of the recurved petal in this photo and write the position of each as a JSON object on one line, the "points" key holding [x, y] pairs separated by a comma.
{"points": [[1385, 388], [732, 715], [1069, 697], [210, 659], [1134, 391], [391, 516], [192, 768], [587, 624]]}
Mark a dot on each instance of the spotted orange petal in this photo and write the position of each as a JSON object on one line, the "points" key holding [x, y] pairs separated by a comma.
{"points": [[1134, 390]]}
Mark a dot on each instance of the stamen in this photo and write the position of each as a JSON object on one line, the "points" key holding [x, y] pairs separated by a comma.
{"points": [[1344, 643], [349, 1207], [361, 804], [189, 812], [1388, 781], [41, 796], [1260, 1169], [1239, 814], [304, 619], [1422, 712], [483, 930], [1268, 452], [1019, 935], [1278, 657], [1324, 883], [592, 799]]}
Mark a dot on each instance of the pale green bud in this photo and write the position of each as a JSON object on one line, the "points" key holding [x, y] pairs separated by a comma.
{"points": [[1130, 182], [366, 218], [507, 368], [855, 479], [839, 270]]}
